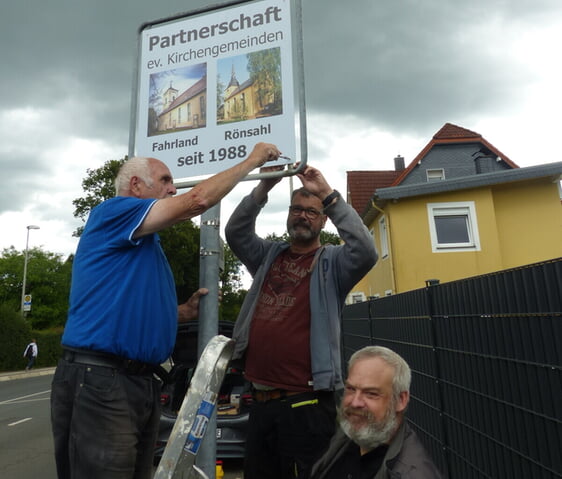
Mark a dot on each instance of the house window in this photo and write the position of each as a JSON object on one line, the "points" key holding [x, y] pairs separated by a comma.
{"points": [[383, 237], [357, 298], [453, 227], [437, 174]]}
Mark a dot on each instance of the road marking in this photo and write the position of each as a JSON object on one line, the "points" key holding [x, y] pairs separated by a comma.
{"points": [[20, 421], [9, 401]]}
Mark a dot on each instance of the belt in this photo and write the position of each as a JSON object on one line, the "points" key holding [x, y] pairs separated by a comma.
{"points": [[264, 395], [127, 366]]}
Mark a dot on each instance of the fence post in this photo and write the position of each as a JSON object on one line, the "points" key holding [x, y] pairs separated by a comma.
{"points": [[431, 284]]}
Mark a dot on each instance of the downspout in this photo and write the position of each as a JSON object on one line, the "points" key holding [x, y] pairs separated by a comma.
{"points": [[389, 240]]}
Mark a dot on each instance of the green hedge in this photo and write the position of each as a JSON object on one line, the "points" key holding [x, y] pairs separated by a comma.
{"points": [[16, 334]]}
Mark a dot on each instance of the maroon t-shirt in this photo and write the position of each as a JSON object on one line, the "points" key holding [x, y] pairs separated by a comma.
{"points": [[278, 354]]}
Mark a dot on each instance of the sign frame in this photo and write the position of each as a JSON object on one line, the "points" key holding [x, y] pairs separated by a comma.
{"points": [[288, 128]]}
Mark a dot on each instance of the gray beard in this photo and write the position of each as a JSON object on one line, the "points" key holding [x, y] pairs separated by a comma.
{"points": [[303, 234], [374, 433]]}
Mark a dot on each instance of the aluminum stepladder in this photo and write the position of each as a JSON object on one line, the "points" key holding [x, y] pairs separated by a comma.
{"points": [[178, 459]]}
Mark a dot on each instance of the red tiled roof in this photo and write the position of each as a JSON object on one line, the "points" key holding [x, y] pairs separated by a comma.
{"points": [[450, 131], [449, 134], [362, 184]]}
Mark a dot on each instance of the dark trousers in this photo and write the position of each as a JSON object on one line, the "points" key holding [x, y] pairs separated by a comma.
{"points": [[104, 422], [286, 436], [30, 363]]}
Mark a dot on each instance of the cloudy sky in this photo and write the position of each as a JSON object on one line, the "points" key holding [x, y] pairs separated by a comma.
{"points": [[382, 77]]}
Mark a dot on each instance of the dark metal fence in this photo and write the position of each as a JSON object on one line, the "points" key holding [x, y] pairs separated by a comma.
{"points": [[486, 359]]}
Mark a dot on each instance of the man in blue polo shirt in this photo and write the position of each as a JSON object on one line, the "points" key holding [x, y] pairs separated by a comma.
{"points": [[122, 320]]}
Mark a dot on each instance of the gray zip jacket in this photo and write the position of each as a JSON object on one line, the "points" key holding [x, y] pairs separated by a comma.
{"points": [[406, 458], [336, 270]]}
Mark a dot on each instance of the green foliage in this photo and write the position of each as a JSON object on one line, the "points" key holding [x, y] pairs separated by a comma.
{"points": [[50, 349], [329, 238], [98, 186], [181, 246], [265, 70], [326, 237], [48, 282], [231, 286], [16, 335], [220, 91]]}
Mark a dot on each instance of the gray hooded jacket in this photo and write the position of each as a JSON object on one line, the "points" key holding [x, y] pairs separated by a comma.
{"points": [[336, 270]]}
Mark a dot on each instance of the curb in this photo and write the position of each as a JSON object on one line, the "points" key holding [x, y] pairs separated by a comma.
{"points": [[8, 376]]}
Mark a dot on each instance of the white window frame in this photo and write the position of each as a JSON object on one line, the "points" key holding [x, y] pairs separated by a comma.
{"points": [[383, 237], [357, 297], [462, 208], [435, 174]]}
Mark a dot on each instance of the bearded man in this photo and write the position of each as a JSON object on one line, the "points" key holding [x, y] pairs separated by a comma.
{"points": [[288, 330], [374, 441]]}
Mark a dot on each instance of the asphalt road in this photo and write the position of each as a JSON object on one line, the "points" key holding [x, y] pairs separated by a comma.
{"points": [[26, 444]]}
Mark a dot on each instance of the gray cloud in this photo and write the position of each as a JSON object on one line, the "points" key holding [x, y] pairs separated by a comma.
{"points": [[405, 66]]}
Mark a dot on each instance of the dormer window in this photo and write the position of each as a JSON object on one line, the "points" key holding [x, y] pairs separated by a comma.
{"points": [[436, 174]]}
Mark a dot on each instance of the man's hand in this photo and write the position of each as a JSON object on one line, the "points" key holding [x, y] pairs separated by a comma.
{"points": [[190, 309], [262, 153], [315, 182]]}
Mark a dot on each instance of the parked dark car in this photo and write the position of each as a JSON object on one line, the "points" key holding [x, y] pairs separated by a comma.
{"points": [[233, 405]]}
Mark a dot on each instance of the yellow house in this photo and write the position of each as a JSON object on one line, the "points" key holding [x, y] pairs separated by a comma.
{"points": [[244, 102], [461, 208]]}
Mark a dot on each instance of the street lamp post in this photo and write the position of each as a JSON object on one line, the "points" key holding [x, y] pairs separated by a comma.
{"points": [[30, 227]]}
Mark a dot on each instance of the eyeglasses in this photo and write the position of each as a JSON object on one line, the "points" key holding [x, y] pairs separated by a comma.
{"points": [[310, 213]]}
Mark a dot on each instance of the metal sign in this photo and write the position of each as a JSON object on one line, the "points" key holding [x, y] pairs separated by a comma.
{"points": [[27, 303], [212, 83]]}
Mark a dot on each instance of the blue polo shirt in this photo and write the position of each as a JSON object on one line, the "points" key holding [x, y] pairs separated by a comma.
{"points": [[122, 298]]}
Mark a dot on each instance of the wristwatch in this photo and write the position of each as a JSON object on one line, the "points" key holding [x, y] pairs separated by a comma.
{"points": [[328, 200]]}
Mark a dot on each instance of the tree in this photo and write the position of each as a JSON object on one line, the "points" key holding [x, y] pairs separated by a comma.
{"points": [[326, 237], [265, 71], [231, 286], [48, 282], [181, 246], [16, 334], [98, 186]]}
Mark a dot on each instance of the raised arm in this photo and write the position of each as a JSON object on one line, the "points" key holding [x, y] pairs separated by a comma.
{"points": [[169, 211]]}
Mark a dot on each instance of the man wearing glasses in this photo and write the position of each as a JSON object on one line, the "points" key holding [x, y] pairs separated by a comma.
{"points": [[288, 330]]}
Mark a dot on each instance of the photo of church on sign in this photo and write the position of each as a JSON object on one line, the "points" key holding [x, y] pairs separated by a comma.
{"points": [[249, 86], [177, 100]]}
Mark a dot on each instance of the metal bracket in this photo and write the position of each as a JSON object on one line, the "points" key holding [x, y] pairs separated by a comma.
{"points": [[214, 222], [207, 252]]}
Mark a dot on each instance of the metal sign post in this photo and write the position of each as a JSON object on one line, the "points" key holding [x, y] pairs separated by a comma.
{"points": [[209, 311]]}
